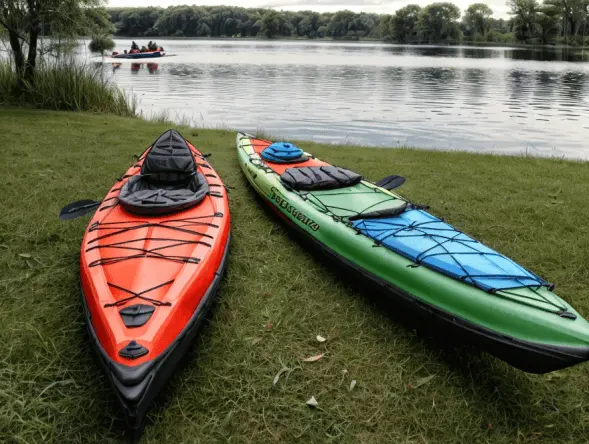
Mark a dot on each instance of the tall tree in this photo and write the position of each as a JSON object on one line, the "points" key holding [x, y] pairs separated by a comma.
{"points": [[404, 23], [478, 18], [25, 20], [439, 21], [340, 23], [524, 15], [270, 23], [574, 15], [547, 22]]}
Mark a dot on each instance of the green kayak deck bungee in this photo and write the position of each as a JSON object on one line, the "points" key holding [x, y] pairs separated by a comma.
{"points": [[417, 259]]}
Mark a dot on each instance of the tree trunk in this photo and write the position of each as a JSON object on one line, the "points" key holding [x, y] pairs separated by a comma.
{"points": [[29, 73], [32, 57], [19, 58]]}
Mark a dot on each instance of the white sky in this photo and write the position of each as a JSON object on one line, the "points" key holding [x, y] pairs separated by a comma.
{"points": [[377, 6]]}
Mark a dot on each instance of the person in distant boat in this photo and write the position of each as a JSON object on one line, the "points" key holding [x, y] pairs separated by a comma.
{"points": [[160, 48], [152, 46], [134, 46], [143, 49], [125, 51]]}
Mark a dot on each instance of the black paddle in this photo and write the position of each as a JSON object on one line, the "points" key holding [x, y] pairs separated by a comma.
{"points": [[391, 182], [78, 209]]}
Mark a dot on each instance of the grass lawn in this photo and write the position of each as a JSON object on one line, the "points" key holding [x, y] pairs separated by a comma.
{"points": [[275, 299]]}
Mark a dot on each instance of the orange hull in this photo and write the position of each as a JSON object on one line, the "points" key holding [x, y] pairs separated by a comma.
{"points": [[147, 282]]}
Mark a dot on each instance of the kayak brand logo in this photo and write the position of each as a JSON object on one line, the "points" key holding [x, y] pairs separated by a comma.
{"points": [[283, 203]]}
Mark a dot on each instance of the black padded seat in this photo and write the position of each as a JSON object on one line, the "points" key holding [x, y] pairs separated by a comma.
{"points": [[319, 178], [169, 181]]}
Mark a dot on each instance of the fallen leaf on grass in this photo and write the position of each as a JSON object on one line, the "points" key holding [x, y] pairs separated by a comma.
{"points": [[423, 381], [30, 260], [352, 384], [256, 340], [321, 338], [280, 372], [312, 402], [314, 358]]}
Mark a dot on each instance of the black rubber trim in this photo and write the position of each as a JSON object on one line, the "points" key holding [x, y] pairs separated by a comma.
{"points": [[137, 386], [527, 356]]}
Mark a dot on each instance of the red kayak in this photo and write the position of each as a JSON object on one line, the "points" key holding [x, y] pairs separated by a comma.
{"points": [[151, 261]]}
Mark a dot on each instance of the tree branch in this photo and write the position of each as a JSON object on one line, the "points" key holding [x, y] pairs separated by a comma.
{"points": [[3, 23]]}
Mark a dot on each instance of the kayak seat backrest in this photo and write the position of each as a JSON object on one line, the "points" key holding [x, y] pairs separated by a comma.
{"points": [[319, 178], [169, 181], [169, 160], [283, 152]]}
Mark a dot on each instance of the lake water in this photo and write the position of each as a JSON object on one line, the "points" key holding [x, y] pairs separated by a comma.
{"points": [[502, 100]]}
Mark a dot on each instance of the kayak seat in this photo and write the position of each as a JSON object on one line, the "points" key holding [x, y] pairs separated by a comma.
{"points": [[319, 178], [169, 181], [282, 152]]}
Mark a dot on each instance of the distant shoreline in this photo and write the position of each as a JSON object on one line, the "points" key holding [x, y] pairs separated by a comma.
{"points": [[359, 40]]}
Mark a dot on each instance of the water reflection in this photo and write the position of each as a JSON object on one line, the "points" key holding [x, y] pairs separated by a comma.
{"points": [[546, 54], [490, 99]]}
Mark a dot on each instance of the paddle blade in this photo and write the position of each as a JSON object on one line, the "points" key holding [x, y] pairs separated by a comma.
{"points": [[78, 209], [391, 182]]}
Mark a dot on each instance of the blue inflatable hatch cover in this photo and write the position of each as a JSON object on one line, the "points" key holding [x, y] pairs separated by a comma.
{"points": [[431, 242], [282, 152]]}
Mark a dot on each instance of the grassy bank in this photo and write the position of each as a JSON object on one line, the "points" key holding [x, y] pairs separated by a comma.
{"points": [[275, 299], [66, 86]]}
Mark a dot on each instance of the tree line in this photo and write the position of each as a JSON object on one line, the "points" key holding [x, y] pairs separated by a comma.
{"points": [[531, 22], [226, 21]]}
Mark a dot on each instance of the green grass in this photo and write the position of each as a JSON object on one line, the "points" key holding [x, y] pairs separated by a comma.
{"points": [[275, 299], [66, 86]]}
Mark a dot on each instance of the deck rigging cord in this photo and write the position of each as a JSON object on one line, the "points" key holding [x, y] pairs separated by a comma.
{"points": [[186, 225]]}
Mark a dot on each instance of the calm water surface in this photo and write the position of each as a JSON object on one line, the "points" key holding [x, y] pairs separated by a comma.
{"points": [[504, 100]]}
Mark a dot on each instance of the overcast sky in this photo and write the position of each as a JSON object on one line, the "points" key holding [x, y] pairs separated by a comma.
{"points": [[378, 6]]}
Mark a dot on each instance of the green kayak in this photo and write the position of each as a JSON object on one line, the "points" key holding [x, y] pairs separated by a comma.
{"points": [[417, 259]]}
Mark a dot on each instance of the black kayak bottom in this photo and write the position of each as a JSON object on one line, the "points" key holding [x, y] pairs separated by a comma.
{"points": [[137, 386], [526, 356]]}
